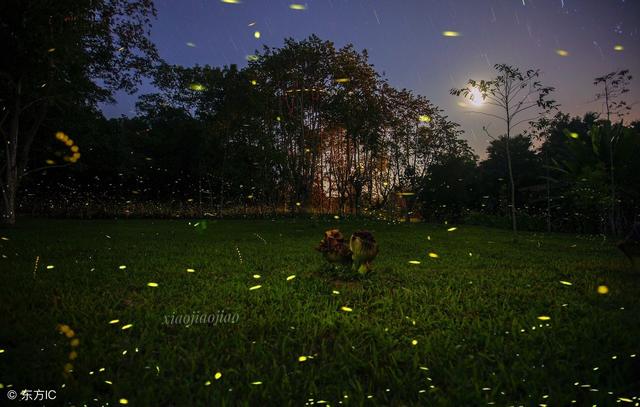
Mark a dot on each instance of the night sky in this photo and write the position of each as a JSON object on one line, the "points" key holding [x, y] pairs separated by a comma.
{"points": [[404, 40]]}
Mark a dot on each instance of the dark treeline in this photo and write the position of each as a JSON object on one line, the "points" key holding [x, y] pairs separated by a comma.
{"points": [[310, 128], [303, 128]]}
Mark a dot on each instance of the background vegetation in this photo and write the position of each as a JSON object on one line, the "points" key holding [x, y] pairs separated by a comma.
{"points": [[335, 140]]}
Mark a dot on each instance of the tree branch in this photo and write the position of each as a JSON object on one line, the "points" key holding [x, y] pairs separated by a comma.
{"points": [[520, 110], [487, 133], [490, 115], [526, 120], [44, 168]]}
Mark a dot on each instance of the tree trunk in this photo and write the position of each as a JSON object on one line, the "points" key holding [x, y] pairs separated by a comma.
{"points": [[10, 181], [613, 185], [513, 189], [210, 192], [9, 190], [357, 187], [200, 194], [612, 215], [548, 184]]}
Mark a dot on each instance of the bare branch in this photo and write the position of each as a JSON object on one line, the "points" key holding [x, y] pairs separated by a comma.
{"points": [[43, 169], [488, 114], [487, 133], [526, 120], [520, 110]]}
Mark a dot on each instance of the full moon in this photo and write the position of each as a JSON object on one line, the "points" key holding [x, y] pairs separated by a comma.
{"points": [[476, 96]]}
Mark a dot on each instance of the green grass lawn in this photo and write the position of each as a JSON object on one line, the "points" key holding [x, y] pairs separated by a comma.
{"points": [[458, 330]]}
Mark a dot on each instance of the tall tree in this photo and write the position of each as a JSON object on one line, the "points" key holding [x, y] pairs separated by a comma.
{"points": [[552, 133], [514, 94], [355, 106], [614, 85], [61, 52], [226, 102], [298, 78]]}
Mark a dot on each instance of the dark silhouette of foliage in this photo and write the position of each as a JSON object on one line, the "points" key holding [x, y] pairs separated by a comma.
{"points": [[62, 53]]}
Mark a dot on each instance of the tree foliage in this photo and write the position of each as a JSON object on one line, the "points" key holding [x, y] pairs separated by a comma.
{"points": [[62, 53], [306, 126]]}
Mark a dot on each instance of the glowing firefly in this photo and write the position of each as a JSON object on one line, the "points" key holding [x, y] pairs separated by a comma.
{"points": [[197, 87]]}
